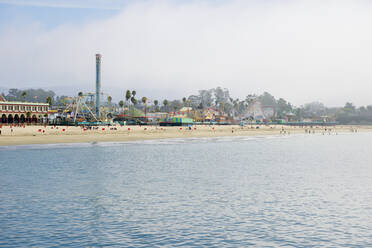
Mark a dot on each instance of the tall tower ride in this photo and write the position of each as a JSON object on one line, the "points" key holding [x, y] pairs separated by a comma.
{"points": [[98, 85]]}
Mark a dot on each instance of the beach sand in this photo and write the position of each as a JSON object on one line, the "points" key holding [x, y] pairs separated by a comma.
{"points": [[23, 135]]}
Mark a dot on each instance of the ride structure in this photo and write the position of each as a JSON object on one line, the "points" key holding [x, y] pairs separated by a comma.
{"points": [[86, 108], [98, 85]]}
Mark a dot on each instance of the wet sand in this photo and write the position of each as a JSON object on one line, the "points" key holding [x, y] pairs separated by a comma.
{"points": [[23, 135]]}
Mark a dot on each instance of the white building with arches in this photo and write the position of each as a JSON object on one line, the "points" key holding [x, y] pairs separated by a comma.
{"points": [[22, 112]]}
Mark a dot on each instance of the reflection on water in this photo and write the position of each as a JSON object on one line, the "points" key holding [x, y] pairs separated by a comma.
{"points": [[303, 190]]}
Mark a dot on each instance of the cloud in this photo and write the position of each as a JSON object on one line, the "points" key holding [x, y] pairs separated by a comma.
{"points": [[300, 50], [73, 4]]}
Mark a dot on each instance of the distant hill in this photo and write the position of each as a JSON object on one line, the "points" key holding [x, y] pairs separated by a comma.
{"points": [[29, 95]]}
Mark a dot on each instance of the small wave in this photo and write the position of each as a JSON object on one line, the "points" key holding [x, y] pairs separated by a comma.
{"points": [[167, 141], [45, 146]]}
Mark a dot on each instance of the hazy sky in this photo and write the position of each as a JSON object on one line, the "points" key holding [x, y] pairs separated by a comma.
{"points": [[299, 50]]}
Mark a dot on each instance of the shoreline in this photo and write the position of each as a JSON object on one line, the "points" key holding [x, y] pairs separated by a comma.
{"points": [[33, 135]]}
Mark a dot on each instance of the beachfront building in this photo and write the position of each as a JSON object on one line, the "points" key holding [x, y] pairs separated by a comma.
{"points": [[153, 118], [22, 112], [210, 114]]}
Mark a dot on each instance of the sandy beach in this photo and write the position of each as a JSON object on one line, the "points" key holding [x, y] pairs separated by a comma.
{"points": [[22, 135]]}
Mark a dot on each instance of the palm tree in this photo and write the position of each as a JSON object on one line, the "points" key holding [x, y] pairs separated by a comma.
{"points": [[144, 101], [184, 101], [165, 103], [156, 102], [49, 100], [133, 100], [121, 104], [24, 94], [109, 99], [128, 95]]}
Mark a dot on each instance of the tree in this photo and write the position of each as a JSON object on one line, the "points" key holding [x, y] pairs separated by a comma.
{"points": [[28, 115], [156, 103], [299, 113], [24, 94], [144, 101], [236, 106], [80, 94], [205, 97], [121, 104], [165, 103], [221, 96], [284, 107], [369, 108], [49, 100], [362, 109], [267, 99], [134, 93], [250, 99], [133, 100], [30, 95], [349, 107], [314, 109], [175, 104], [184, 101], [109, 99], [128, 95]]}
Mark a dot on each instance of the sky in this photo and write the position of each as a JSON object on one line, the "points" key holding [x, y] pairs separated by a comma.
{"points": [[303, 51]]}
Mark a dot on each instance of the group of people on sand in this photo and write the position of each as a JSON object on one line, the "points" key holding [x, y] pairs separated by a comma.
{"points": [[283, 131], [12, 127], [312, 131], [309, 131], [326, 130]]}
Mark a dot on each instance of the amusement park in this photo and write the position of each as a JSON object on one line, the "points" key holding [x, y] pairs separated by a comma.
{"points": [[88, 109], [209, 107], [96, 109]]}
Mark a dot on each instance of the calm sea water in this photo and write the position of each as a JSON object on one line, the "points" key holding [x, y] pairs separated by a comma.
{"points": [[294, 191]]}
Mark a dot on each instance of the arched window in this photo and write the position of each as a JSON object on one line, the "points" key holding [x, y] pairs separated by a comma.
{"points": [[10, 119]]}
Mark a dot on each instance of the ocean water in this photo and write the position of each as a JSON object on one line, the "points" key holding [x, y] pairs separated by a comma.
{"points": [[283, 191]]}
